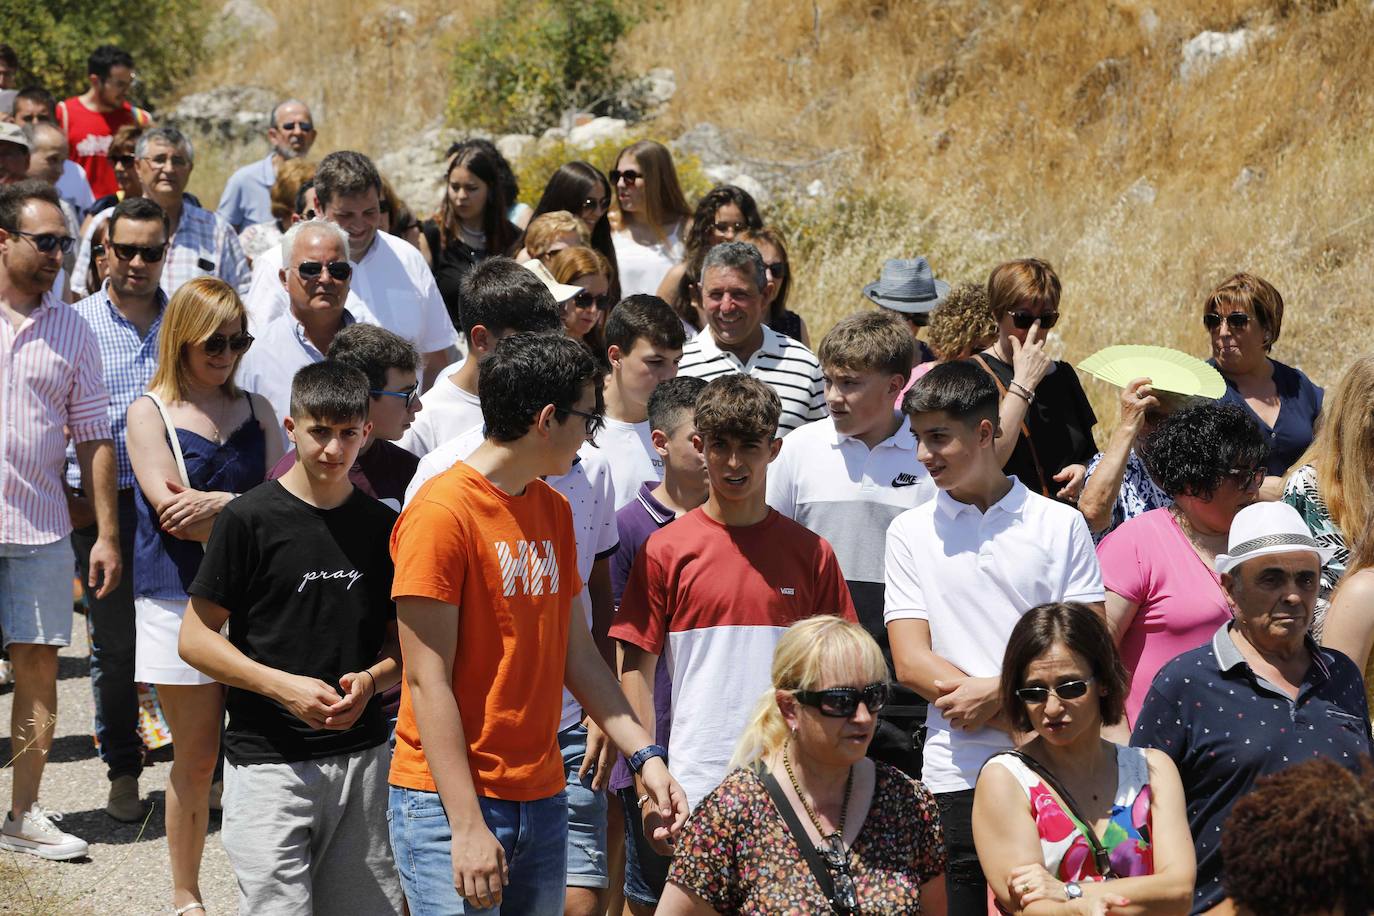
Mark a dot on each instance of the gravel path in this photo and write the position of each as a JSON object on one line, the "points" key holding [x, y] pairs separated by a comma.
{"points": [[127, 872]]}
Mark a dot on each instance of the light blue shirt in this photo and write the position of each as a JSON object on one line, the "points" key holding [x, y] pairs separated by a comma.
{"points": [[247, 197]]}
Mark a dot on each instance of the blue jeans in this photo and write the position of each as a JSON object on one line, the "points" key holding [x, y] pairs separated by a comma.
{"points": [[587, 865], [533, 834]]}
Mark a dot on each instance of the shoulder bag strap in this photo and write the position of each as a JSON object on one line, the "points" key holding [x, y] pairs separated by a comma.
{"points": [[789, 817], [1025, 429], [1101, 856], [172, 440]]}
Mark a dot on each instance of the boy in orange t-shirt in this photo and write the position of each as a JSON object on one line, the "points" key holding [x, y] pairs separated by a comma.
{"points": [[491, 629]]}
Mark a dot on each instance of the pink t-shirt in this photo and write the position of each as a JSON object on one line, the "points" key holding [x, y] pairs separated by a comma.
{"points": [[1180, 602]]}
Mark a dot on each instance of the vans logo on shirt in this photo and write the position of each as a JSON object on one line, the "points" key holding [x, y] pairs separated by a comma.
{"points": [[352, 575], [787, 591], [905, 480], [522, 565]]}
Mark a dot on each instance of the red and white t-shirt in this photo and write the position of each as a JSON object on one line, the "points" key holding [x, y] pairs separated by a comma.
{"points": [[714, 601], [89, 134]]}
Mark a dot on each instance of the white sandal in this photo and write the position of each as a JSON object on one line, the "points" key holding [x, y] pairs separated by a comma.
{"points": [[181, 910]]}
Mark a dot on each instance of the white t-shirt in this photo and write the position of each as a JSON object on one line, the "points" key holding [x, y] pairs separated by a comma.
{"points": [[972, 576], [643, 267], [446, 412], [629, 448]]}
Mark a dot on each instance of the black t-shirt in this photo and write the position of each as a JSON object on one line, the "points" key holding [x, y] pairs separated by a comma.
{"points": [[1061, 422], [308, 592]]}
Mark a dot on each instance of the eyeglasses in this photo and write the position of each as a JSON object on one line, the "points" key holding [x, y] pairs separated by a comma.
{"points": [[151, 253], [125, 159], [585, 300], [846, 899], [47, 243], [1023, 320], [313, 270], [1069, 690], [214, 344], [1246, 478], [1235, 321], [594, 203], [724, 227], [594, 421], [97, 250], [840, 702], [777, 270], [162, 160], [630, 176], [292, 125], [411, 394]]}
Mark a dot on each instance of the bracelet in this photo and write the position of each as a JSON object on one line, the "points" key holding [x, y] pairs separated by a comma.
{"points": [[642, 800], [1020, 390], [373, 678]]}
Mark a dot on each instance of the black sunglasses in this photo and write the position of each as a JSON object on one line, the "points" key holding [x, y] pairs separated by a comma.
{"points": [[1023, 320], [151, 253], [312, 270], [724, 227], [594, 421], [840, 702], [846, 899], [48, 243], [1069, 690], [1246, 478], [777, 270], [127, 160], [585, 300], [411, 394], [1235, 321], [630, 176], [595, 203], [97, 250], [214, 344], [292, 125]]}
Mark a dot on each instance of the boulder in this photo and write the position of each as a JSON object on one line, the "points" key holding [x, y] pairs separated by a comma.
{"points": [[1206, 48], [244, 18], [596, 131], [227, 116], [513, 146]]}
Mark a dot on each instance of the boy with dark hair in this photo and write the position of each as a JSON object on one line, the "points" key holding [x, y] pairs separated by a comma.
{"points": [[91, 119], [644, 340], [846, 477], [960, 571], [491, 626], [721, 584], [299, 569]]}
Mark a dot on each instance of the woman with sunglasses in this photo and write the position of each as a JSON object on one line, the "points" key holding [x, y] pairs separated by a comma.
{"points": [[805, 823], [773, 247], [225, 440], [723, 214], [121, 156], [648, 216], [584, 315], [581, 189], [1070, 819], [1164, 596], [1046, 421], [1243, 317]]}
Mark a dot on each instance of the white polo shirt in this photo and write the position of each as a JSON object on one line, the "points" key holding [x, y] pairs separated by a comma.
{"points": [[972, 575], [629, 449], [447, 411], [781, 363]]}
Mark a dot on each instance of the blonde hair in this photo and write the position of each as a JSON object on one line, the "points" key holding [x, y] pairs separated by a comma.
{"points": [[664, 202], [1343, 451], [809, 651], [291, 174], [545, 229], [1249, 293], [196, 311]]}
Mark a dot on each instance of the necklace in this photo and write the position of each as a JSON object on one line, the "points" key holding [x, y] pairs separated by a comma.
{"points": [[844, 805]]}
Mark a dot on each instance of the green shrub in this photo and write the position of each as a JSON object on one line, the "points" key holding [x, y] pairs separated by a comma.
{"points": [[534, 169], [537, 58]]}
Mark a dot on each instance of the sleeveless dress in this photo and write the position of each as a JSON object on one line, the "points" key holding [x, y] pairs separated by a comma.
{"points": [[643, 267], [1128, 837]]}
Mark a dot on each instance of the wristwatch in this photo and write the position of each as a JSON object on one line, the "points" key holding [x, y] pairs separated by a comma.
{"points": [[1072, 890], [644, 754]]}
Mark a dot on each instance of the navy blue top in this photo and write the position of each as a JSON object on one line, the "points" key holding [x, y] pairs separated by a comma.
{"points": [[163, 565], [1224, 726], [1300, 401]]}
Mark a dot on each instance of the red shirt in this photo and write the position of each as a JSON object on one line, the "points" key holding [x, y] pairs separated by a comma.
{"points": [[89, 134]]}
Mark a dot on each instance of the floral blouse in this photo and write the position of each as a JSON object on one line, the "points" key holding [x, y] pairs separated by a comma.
{"points": [[737, 854], [1301, 493], [1139, 493]]}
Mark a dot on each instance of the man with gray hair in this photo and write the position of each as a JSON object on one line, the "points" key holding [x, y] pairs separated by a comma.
{"points": [[737, 337], [317, 278], [247, 197], [200, 242]]}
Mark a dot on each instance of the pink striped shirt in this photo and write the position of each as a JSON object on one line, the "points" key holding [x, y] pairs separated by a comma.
{"points": [[52, 382]]}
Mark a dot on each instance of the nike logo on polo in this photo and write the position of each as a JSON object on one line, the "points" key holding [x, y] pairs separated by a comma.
{"points": [[905, 480]]}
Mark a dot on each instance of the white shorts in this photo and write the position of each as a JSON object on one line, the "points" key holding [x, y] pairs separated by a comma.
{"points": [[156, 661]]}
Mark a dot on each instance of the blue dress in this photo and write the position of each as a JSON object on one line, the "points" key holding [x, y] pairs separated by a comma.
{"points": [[1300, 402], [163, 565]]}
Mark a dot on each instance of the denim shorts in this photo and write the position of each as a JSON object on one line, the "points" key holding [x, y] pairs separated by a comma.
{"points": [[533, 834], [36, 593], [646, 870], [586, 816]]}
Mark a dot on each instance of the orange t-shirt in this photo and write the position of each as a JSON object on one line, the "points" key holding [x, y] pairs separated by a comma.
{"points": [[509, 564]]}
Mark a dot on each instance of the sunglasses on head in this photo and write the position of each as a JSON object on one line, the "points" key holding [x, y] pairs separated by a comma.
{"points": [[214, 344], [151, 253], [1023, 320], [1068, 690], [303, 125], [630, 176], [840, 702], [47, 243], [1235, 321], [312, 270], [585, 300], [724, 227], [411, 394]]}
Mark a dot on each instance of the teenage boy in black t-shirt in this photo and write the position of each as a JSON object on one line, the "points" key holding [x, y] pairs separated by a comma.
{"points": [[300, 569]]}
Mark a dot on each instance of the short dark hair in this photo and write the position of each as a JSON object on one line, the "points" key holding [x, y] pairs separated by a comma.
{"points": [[329, 391], [672, 398], [138, 209], [739, 407], [647, 316], [961, 389], [41, 96], [372, 350], [8, 57], [345, 172], [1193, 450], [527, 372], [502, 296], [14, 196], [1077, 627], [105, 58], [299, 205]]}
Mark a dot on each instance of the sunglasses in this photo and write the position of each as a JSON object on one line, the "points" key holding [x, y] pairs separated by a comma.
{"points": [[97, 250], [585, 300], [595, 203], [1023, 320], [125, 159], [411, 394], [630, 176], [312, 270], [846, 899], [1235, 321], [777, 270], [594, 421], [48, 243], [1246, 478], [724, 227], [1069, 690], [214, 344], [151, 253], [840, 702], [292, 125]]}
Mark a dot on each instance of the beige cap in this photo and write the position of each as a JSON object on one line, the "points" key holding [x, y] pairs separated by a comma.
{"points": [[13, 133], [562, 292]]}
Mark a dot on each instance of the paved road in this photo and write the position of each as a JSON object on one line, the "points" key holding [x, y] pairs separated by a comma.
{"points": [[127, 871]]}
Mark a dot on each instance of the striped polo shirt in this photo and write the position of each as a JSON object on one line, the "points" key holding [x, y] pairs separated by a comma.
{"points": [[783, 364]]}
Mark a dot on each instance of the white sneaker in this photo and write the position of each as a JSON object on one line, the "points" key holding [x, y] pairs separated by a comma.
{"points": [[6, 672], [37, 835]]}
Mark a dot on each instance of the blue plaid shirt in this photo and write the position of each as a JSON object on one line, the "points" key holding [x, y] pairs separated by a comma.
{"points": [[130, 362]]}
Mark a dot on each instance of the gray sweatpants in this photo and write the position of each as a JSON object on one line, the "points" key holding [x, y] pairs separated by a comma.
{"points": [[311, 837]]}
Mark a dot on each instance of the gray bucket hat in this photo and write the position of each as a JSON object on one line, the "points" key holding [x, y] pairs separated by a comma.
{"points": [[908, 286]]}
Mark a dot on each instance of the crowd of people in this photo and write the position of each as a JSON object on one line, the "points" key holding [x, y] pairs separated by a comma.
{"points": [[531, 560]]}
